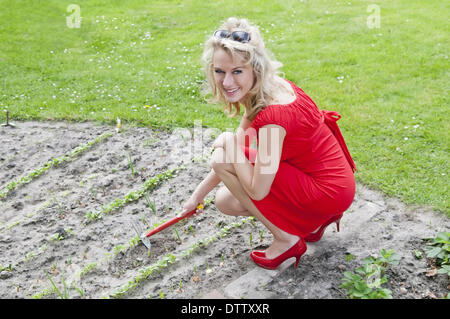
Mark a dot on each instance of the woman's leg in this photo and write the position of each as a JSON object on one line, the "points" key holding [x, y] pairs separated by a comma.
{"points": [[226, 172], [228, 204]]}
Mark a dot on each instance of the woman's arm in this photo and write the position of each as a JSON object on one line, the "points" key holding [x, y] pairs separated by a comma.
{"points": [[243, 131], [257, 180], [207, 185], [200, 192]]}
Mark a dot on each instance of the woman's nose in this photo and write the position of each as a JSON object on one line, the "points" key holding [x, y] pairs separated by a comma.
{"points": [[228, 81]]}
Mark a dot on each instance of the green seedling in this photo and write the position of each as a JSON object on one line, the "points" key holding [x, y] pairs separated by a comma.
{"points": [[6, 268], [65, 293], [30, 256], [439, 248], [118, 249], [130, 161], [418, 254], [61, 234], [177, 235], [150, 203], [366, 282], [93, 215], [80, 291], [208, 270], [60, 209]]}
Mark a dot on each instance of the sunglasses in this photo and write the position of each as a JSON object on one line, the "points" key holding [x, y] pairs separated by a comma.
{"points": [[239, 36]]}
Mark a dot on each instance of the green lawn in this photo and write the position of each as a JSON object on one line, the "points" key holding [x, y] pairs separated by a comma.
{"points": [[390, 84]]}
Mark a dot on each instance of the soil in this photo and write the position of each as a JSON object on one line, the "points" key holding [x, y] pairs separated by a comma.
{"points": [[45, 233]]}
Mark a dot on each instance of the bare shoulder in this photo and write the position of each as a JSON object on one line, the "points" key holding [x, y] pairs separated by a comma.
{"points": [[284, 95]]}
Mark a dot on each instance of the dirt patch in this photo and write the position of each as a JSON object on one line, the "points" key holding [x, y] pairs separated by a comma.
{"points": [[45, 231]]}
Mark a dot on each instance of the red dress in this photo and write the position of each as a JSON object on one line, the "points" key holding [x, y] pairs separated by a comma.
{"points": [[315, 178]]}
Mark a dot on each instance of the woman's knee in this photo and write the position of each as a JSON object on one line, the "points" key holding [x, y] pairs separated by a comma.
{"points": [[222, 200], [227, 204], [218, 161]]}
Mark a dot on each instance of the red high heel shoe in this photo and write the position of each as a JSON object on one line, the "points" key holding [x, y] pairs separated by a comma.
{"points": [[313, 237], [297, 250]]}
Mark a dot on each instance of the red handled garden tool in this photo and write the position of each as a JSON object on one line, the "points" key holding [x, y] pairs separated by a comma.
{"points": [[144, 237]]}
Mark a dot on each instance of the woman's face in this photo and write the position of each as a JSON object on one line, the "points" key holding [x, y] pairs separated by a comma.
{"points": [[233, 77]]}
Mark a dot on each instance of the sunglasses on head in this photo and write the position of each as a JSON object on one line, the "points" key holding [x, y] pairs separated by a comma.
{"points": [[239, 36]]}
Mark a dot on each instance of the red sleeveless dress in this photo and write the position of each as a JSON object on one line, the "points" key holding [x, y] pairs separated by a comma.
{"points": [[315, 178]]}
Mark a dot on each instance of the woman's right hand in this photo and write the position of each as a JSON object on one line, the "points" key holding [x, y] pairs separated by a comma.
{"points": [[192, 204]]}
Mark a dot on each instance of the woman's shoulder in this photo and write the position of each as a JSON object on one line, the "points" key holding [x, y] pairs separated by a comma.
{"points": [[300, 110], [273, 114], [286, 95]]}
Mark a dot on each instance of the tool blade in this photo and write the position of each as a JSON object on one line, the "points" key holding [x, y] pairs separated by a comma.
{"points": [[135, 224]]}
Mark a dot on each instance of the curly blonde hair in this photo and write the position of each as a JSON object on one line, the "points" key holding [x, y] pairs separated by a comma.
{"points": [[266, 75]]}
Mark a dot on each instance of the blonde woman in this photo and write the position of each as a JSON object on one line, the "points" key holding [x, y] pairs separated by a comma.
{"points": [[300, 178]]}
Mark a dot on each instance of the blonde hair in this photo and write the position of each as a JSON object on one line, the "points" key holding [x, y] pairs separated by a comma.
{"points": [[265, 70]]}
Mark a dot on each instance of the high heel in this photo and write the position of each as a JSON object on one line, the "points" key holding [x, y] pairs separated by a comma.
{"points": [[313, 237], [297, 250]]}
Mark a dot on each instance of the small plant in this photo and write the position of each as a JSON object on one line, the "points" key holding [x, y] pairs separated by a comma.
{"points": [[118, 249], [93, 215], [60, 234], [130, 162], [438, 248], [177, 235], [180, 286], [65, 293], [192, 230], [208, 269], [6, 268], [367, 282], [150, 203]]}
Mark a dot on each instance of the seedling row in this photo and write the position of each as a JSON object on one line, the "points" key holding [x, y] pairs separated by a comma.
{"points": [[72, 237]]}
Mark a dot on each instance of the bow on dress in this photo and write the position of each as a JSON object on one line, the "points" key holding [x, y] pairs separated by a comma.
{"points": [[330, 119]]}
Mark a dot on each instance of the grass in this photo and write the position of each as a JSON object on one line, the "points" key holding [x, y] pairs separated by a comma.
{"points": [[140, 61]]}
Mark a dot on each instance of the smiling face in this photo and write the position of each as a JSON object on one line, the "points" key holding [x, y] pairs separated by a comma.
{"points": [[233, 77]]}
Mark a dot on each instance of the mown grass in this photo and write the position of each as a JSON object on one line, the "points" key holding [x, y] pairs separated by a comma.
{"points": [[390, 83]]}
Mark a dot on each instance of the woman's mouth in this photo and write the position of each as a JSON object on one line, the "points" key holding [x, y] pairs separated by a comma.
{"points": [[231, 92]]}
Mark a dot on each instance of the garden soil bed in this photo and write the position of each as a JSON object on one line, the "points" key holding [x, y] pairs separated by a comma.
{"points": [[47, 236]]}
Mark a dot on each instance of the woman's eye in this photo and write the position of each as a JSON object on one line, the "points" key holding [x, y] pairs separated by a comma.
{"points": [[234, 72]]}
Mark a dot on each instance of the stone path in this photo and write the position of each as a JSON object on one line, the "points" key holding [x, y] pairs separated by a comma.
{"points": [[373, 222]]}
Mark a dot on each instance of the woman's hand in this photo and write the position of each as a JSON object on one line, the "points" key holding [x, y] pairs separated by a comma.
{"points": [[222, 140], [192, 204]]}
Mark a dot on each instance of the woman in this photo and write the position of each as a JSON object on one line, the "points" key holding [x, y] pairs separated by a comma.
{"points": [[300, 179]]}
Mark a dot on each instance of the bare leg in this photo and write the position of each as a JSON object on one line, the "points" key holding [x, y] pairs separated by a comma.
{"points": [[282, 240], [228, 204]]}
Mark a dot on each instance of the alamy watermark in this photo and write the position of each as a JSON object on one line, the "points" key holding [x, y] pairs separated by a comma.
{"points": [[186, 145], [73, 20], [374, 19]]}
